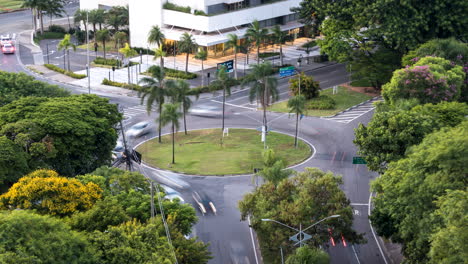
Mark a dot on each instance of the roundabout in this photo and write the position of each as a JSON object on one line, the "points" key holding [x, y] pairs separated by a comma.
{"points": [[201, 152]]}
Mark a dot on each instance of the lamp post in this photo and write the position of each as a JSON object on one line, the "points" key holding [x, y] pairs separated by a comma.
{"points": [[302, 236], [87, 54]]}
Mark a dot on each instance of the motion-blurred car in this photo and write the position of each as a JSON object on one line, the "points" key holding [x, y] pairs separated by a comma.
{"points": [[139, 129], [8, 49], [5, 40], [207, 111], [204, 203], [118, 151], [172, 194]]}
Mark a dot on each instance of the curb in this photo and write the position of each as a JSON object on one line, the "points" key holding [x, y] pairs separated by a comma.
{"points": [[13, 11], [354, 106]]}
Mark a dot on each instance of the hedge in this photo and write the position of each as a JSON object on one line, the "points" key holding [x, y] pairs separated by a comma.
{"points": [[171, 6], [122, 85], [268, 54], [108, 62], [68, 73], [322, 102]]}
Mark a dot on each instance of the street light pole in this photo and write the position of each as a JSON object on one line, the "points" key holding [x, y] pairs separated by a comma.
{"points": [[87, 55]]}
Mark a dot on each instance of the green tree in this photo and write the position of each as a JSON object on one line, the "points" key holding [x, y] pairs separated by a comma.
{"points": [[303, 199], [180, 92], [306, 254], [73, 135], [234, 44], [128, 52], [120, 38], [309, 88], [26, 237], [13, 162], [448, 241], [408, 190], [279, 38], [263, 86], [202, 55], [221, 82], [430, 80], [160, 53], [17, 85], [104, 213], [390, 134], [32, 4], [121, 181], [103, 36], [80, 17], [187, 45], [258, 35], [296, 105], [309, 16], [117, 17], [156, 36], [66, 44], [170, 114], [154, 90]]}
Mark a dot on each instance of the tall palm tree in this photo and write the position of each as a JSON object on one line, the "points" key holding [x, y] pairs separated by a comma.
{"points": [[80, 16], [160, 53], [156, 36], [92, 19], [258, 35], [103, 36], [296, 105], [263, 86], [171, 114], [117, 17], [202, 55], [154, 91], [234, 43], [279, 37], [180, 93], [221, 81], [32, 4], [128, 52], [187, 45], [66, 44], [273, 170], [120, 38]]}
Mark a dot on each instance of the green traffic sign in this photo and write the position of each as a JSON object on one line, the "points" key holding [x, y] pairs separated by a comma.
{"points": [[359, 160]]}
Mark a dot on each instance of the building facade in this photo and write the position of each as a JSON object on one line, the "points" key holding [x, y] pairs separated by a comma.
{"points": [[209, 21]]}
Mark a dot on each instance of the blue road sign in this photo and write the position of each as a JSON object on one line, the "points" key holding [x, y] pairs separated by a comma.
{"points": [[287, 71], [228, 64]]}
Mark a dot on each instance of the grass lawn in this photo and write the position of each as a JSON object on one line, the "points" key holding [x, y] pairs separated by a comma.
{"points": [[10, 5], [344, 99], [200, 151], [360, 83], [110, 46]]}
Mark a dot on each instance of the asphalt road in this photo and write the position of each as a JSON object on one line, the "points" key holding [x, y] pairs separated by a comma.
{"points": [[230, 240]]}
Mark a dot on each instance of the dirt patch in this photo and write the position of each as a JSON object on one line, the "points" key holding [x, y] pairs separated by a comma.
{"points": [[371, 91]]}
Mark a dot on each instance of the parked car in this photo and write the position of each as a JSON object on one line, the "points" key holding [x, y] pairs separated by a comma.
{"points": [[8, 49], [139, 129], [204, 203]]}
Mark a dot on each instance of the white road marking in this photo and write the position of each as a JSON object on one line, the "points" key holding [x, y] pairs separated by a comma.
{"points": [[253, 241], [355, 254], [240, 106], [372, 229]]}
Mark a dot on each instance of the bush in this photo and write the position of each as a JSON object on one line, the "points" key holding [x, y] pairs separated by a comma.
{"points": [[80, 35], [310, 44], [309, 87], [68, 73], [108, 62], [322, 102], [199, 13], [268, 54], [320, 58], [57, 28], [144, 51], [122, 85], [171, 6]]}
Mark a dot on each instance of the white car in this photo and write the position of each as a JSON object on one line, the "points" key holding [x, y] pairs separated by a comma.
{"points": [[172, 194], [5, 40], [139, 129], [207, 111], [8, 49]]}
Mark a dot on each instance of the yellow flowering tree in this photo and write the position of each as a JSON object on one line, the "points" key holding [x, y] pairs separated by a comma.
{"points": [[48, 193]]}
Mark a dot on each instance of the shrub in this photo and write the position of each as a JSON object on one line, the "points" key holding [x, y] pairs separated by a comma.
{"points": [[310, 44], [109, 62], [122, 85], [199, 13], [309, 87], [268, 54], [179, 74], [144, 51], [68, 73], [57, 28], [171, 6], [322, 102]]}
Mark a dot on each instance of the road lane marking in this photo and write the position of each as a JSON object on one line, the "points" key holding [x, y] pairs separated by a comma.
{"points": [[355, 254], [240, 106], [253, 241], [372, 229]]}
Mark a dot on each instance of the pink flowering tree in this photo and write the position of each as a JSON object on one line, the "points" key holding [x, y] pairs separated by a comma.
{"points": [[430, 80]]}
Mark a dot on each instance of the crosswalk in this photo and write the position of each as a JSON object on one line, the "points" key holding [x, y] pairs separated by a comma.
{"points": [[355, 112], [130, 112]]}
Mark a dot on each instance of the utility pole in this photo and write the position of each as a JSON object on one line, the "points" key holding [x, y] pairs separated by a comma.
{"points": [[152, 199], [87, 54], [128, 159]]}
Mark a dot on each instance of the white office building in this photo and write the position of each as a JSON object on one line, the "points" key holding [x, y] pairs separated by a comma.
{"points": [[209, 21]]}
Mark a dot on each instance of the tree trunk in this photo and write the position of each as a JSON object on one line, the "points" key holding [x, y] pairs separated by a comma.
{"points": [[186, 63], [224, 103], [161, 62], [173, 144], [42, 22], [128, 70], [64, 62], [34, 21], [160, 110], [94, 29], [235, 64], [68, 58], [297, 128], [185, 121], [258, 54], [202, 74], [281, 54], [104, 47], [100, 26]]}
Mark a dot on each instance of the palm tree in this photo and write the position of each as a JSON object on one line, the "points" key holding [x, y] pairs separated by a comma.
{"points": [[92, 19], [117, 16], [153, 89], [257, 35], [160, 53], [279, 37], [180, 92], [273, 169], [171, 114], [66, 44], [187, 45], [32, 4], [103, 36], [120, 37], [233, 42], [263, 86], [156, 36], [202, 55], [296, 105], [221, 81], [80, 16], [127, 52]]}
